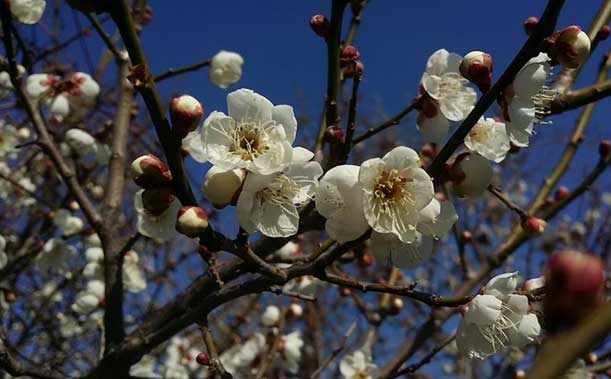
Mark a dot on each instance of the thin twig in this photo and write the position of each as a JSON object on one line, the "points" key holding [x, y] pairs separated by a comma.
{"points": [[171, 72], [338, 349]]}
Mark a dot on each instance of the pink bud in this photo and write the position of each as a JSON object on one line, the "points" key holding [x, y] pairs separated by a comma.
{"points": [[561, 193], [149, 171], [477, 67], [185, 114], [533, 226], [603, 33], [354, 69], [335, 134], [349, 55], [202, 359], [570, 46], [191, 221], [530, 24], [157, 199], [147, 16], [320, 25]]}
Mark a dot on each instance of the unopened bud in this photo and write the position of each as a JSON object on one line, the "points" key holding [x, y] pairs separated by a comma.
{"points": [[320, 25], [466, 236], [191, 221], [149, 171], [147, 16], [604, 149], [202, 359], [570, 46], [185, 114], [591, 358], [349, 55], [354, 69], [365, 260], [271, 316], [530, 24], [223, 187], [295, 310], [73, 205], [603, 33], [519, 374], [345, 291], [157, 200], [533, 226], [477, 67], [561, 193], [334, 134], [395, 306]]}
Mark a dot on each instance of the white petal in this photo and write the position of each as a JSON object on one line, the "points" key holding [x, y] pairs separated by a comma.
{"points": [[193, 143], [532, 76], [471, 342], [527, 331], [502, 285], [437, 218], [285, 116], [301, 154], [483, 310], [246, 105], [27, 11], [435, 129], [401, 157]]}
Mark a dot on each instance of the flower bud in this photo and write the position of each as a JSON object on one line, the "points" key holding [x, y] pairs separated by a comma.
{"points": [[349, 55], [365, 260], [533, 226], [191, 221], [353, 70], [185, 114], [603, 33], [466, 236], [320, 25], [202, 359], [471, 174], [561, 193], [295, 310], [223, 187], [334, 134], [225, 68], [570, 46], [519, 374], [530, 24], [149, 171], [574, 283], [147, 16], [395, 306], [345, 291], [271, 316], [604, 149], [477, 67], [157, 200]]}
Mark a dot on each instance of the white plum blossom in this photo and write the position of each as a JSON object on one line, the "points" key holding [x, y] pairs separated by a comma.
{"points": [[133, 276], [339, 198], [67, 223], [357, 365], [238, 358], [158, 227], [522, 99], [489, 139], [3, 257], [89, 299], [449, 99], [291, 351], [27, 11], [256, 135], [271, 315], [9, 139], [6, 86], [496, 319], [55, 256], [221, 186], [225, 68], [192, 143], [68, 326], [304, 285], [395, 190], [180, 359], [63, 95], [476, 172], [289, 250], [270, 203], [145, 368]]}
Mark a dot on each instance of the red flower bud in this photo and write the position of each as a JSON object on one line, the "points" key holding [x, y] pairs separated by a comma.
{"points": [[603, 33], [530, 24], [561, 193], [185, 114], [533, 226], [477, 67], [335, 134], [320, 25], [345, 291], [354, 69], [202, 359], [349, 55], [191, 221], [365, 260], [149, 171]]}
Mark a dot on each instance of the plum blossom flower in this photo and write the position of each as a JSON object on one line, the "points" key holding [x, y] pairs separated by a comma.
{"points": [[496, 319], [180, 359], [133, 276], [291, 350], [145, 368], [238, 358], [395, 190], [55, 255], [6, 86], [27, 11], [474, 174], [158, 227], [445, 96], [225, 68], [339, 199], [271, 315], [63, 96], [289, 250], [489, 139], [9, 138], [256, 135], [3, 257], [67, 223], [89, 299], [357, 365], [269, 203], [524, 98], [304, 285]]}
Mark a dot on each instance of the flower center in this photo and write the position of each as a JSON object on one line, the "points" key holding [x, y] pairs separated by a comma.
{"points": [[249, 140], [449, 86], [281, 191], [390, 187], [360, 374]]}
